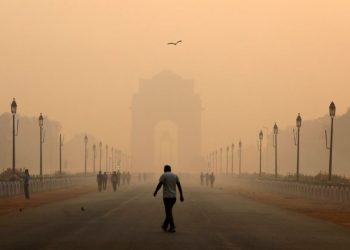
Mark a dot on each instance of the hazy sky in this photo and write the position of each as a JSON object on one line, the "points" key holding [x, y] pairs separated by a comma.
{"points": [[253, 62]]}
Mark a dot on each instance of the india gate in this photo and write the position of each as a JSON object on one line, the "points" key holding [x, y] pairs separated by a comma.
{"points": [[166, 124]]}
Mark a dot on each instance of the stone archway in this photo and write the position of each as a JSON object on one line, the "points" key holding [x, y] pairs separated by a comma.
{"points": [[166, 97]]}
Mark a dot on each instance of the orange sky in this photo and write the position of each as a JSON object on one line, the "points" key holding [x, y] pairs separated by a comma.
{"points": [[253, 62]]}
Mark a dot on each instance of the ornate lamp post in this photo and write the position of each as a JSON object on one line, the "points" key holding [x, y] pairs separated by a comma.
{"points": [[216, 162], [261, 135], [106, 158], [13, 111], [332, 109], [232, 150], [100, 155], [298, 125], [94, 152], [220, 160], [275, 132], [227, 150], [41, 124], [61, 145], [240, 157], [86, 142]]}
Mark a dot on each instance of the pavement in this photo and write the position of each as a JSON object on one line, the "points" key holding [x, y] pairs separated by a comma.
{"points": [[131, 219]]}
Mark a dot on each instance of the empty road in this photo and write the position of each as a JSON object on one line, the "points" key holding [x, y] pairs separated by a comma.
{"points": [[131, 219]]}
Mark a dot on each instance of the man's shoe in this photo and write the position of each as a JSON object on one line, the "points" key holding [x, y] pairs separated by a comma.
{"points": [[172, 230], [164, 228]]}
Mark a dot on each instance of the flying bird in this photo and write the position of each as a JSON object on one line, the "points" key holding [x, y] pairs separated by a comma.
{"points": [[180, 41]]}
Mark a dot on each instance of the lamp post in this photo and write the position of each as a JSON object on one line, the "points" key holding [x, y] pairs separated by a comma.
{"points": [[106, 157], [232, 150], [216, 162], [112, 160], [13, 111], [94, 152], [86, 141], [275, 132], [298, 124], [61, 145], [332, 109], [261, 135], [220, 160], [240, 157], [100, 155], [41, 124], [227, 150]]}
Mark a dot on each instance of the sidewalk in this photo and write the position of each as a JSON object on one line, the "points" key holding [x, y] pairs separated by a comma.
{"points": [[330, 211], [18, 203]]}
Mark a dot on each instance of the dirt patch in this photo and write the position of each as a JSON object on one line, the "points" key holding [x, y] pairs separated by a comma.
{"points": [[18, 203], [329, 211]]}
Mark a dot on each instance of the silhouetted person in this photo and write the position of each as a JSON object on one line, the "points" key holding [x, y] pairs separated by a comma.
{"points": [[212, 179], [202, 178], [26, 179], [128, 177], [105, 179], [99, 181], [207, 179], [114, 180], [169, 181]]}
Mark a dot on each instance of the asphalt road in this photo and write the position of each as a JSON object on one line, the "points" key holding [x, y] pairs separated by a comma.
{"points": [[131, 219]]}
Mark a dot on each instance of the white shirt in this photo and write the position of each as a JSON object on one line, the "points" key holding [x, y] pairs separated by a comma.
{"points": [[169, 180]]}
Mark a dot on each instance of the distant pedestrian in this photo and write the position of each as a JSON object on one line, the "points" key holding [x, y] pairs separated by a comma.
{"points": [[26, 179], [212, 179], [114, 179], [169, 181], [99, 181], [202, 178], [105, 179]]}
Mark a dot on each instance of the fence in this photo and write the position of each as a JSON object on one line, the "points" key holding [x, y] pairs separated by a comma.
{"points": [[12, 188], [335, 193]]}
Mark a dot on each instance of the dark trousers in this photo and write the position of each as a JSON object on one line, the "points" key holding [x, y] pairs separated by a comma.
{"points": [[168, 205], [26, 191], [99, 186]]}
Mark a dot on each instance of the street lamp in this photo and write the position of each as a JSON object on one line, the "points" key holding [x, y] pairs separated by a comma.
{"points": [[332, 109], [232, 149], [94, 152], [261, 135], [220, 160], [41, 124], [275, 132], [112, 160], [61, 145], [240, 156], [227, 150], [13, 111], [100, 154], [298, 125], [86, 141], [216, 162], [106, 157]]}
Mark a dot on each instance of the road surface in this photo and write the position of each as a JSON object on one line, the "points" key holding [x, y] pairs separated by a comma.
{"points": [[131, 219]]}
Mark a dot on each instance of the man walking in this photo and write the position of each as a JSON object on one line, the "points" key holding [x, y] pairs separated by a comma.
{"points": [[99, 181], [169, 181], [26, 179]]}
